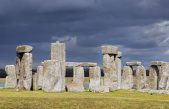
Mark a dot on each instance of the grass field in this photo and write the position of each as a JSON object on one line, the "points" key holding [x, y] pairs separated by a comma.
{"points": [[10, 99]]}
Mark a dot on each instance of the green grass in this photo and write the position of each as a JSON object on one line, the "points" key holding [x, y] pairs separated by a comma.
{"points": [[10, 99]]}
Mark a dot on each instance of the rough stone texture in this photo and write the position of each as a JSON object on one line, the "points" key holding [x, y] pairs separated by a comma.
{"points": [[24, 71], [95, 79], [81, 64], [58, 52], [35, 81], [40, 76], [24, 49], [53, 79], [156, 63], [152, 79], [140, 77], [133, 63], [10, 81], [127, 78], [164, 74], [118, 68], [110, 72], [119, 55], [109, 49], [78, 79]]}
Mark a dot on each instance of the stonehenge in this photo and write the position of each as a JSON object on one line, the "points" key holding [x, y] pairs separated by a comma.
{"points": [[111, 67], [95, 79], [24, 67], [51, 73], [133, 76], [10, 81]]}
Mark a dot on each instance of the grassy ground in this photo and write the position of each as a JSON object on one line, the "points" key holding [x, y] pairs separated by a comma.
{"points": [[10, 99]]}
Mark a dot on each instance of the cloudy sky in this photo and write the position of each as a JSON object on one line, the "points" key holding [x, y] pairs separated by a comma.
{"points": [[140, 28]]}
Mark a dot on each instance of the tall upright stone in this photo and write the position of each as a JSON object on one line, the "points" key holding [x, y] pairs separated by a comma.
{"points": [[140, 77], [58, 52], [152, 78], [10, 81], [95, 79], [24, 67], [78, 80], [127, 78], [40, 76], [35, 81], [53, 80], [164, 75], [118, 68], [109, 67]]}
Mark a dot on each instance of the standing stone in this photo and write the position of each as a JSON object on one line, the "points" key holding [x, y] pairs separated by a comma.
{"points": [[164, 74], [24, 67], [140, 77], [127, 78], [118, 68], [152, 79], [78, 80], [35, 81], [95, 76], [53, 79], [40, 76], [58, 52], [10, 81], [109, 67]]}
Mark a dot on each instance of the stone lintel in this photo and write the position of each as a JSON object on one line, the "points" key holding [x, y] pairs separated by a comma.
{"points": [[81, 64], [24, 49], [109, 49], [157, 63], [133, 63]]}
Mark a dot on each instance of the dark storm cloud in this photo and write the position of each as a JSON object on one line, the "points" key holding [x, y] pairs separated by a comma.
{"points": [[138, 27]]}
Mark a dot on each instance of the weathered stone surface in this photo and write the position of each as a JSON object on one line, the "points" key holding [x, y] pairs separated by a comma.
{"points": [[81, 64], [40, 76], [156, 63], [119, 55], [24, 71], [58, 52], [110, 72], [154, 91], [164, 75], [95, 76], [24, 49], [10, 81], [35, 81], [140, 77], [127, 78], [53, 79], [118, 68], [78, 79], [152, 79], [109, 49], [133, 63]]}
